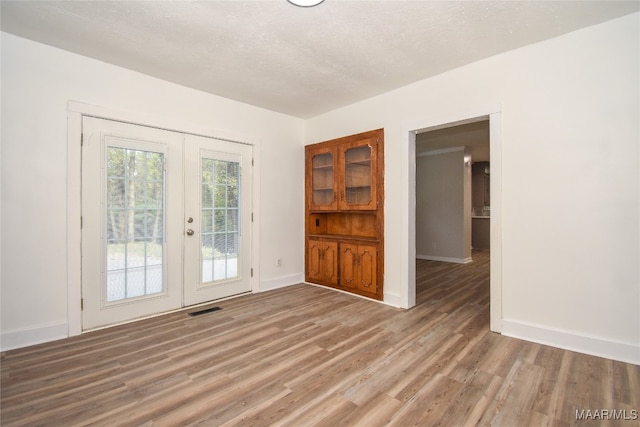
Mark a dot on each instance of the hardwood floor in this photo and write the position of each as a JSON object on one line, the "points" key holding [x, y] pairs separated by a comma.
{"points": [[307, 355]]}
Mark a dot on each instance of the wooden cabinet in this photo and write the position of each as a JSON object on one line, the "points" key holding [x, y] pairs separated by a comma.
{"points": [[357, 184], [323, 261], [358, 266], [343, 176], [321, 176], [345, 206]]}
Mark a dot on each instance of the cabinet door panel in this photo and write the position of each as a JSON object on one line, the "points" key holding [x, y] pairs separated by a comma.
{"points": [[367, 271], [322, 179], [358, 166], [315, 255], [330, 262], [348, 265]]}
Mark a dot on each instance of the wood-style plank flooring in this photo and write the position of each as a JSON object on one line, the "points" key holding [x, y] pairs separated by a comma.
{"points": [[307, 355]]}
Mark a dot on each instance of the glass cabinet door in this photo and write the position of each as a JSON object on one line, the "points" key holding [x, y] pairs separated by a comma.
{"points": [[323, 188], [359, 179]]}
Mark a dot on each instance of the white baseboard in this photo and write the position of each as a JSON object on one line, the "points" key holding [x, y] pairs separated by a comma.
{"points": [[392, 299], [595, 346], [281, 282], [352, 294], [445, 259], [26, 337]]}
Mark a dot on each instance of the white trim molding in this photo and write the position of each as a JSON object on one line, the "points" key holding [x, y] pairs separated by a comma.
{"points": [[27, 337], [351, 294], [393, 299], [281, 282], [573, 341]]}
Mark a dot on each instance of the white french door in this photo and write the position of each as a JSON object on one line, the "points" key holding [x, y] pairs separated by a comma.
{"points": [[217, 242], [153, 240]]}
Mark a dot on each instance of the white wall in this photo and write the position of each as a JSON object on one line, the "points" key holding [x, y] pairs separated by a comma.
{"points": [[443, 220], [569, 180], [37, 83]]}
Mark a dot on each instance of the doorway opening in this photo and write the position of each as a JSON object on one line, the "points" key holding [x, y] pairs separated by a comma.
{"points": [[463, 143], [453, 211], [453, 202]]}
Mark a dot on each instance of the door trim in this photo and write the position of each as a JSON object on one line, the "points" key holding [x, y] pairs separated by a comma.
{"points": [[75, 111], [407, 297]]}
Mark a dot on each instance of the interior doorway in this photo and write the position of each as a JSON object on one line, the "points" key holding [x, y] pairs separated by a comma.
{"points": [[494, 217], [453, 202]]}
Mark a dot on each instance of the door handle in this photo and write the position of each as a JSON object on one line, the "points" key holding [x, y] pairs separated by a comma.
{"points": [[189, 232]]}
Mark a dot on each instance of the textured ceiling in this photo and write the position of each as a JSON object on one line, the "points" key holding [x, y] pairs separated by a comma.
{"points": [[298, 61]]}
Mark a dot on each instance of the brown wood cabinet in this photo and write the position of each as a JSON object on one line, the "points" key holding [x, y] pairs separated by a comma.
{"points": [[345, 213], [343, 176], [358, 264], [323, 261]]}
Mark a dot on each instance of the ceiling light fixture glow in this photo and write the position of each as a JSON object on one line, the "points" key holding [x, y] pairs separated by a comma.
{"points": [[305, 3]]}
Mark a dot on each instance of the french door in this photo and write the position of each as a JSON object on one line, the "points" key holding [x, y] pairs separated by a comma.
{"points": [[217, 227], [164, 221]]}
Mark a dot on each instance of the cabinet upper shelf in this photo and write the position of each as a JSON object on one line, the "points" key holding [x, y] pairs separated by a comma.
{"points": [[365, 163]]}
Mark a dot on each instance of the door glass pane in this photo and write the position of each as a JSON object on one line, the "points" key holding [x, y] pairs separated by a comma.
{"points": [[358, 175], [322, 179], [135, 223], [219, 219]]}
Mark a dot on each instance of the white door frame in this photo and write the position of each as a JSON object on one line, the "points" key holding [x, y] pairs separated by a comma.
{"points": [[408, 293], [75, 112]]}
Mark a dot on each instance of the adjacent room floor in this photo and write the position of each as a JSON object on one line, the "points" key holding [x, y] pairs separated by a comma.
{"points": [[307, 355]]}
